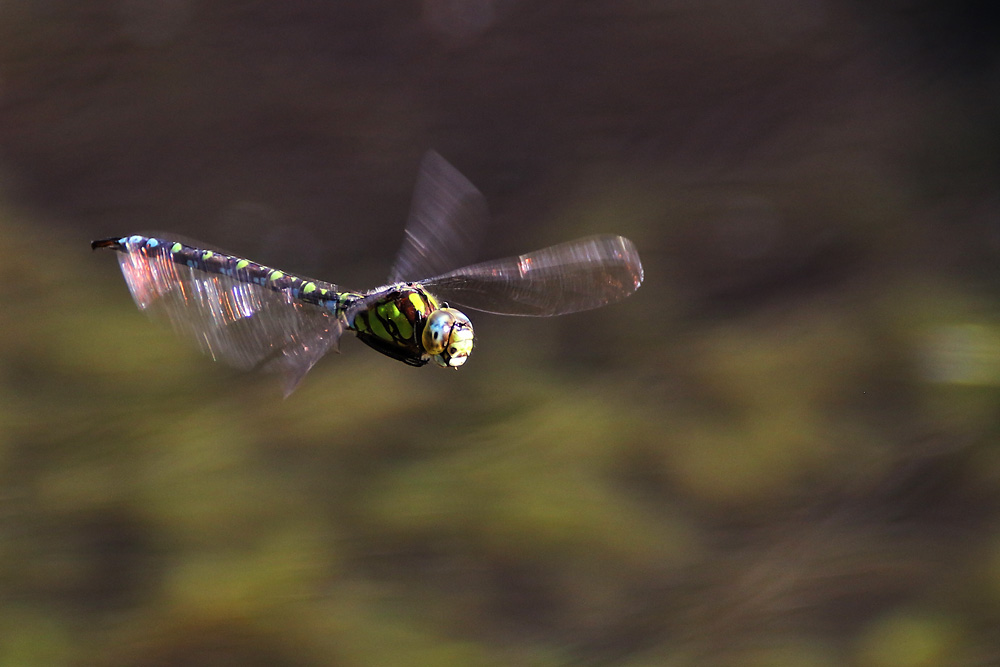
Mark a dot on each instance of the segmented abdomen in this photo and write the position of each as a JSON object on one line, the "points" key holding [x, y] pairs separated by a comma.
{"points": [[317, 292]]}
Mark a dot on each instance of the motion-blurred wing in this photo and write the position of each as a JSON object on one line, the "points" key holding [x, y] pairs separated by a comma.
{"points": [[565, 278], [446, 224], [242, 324]]}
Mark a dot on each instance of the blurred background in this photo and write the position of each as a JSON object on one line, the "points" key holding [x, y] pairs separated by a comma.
{"points": [[783, 450]]}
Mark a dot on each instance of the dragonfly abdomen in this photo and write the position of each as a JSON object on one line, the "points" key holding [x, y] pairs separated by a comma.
{"points": [[242, 270]]}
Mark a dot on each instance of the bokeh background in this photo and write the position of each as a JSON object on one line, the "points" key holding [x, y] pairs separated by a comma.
{"points": [[783, 450]]}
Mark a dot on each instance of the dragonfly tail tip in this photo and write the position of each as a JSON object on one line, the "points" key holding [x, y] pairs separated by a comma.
{"points": [[114, 243]]}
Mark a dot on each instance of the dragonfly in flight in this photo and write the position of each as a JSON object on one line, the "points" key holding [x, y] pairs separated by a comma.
{"points": [[249, 315]]}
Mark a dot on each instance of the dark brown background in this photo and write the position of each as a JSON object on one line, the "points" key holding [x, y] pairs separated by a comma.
{"points": [[781, 450]]}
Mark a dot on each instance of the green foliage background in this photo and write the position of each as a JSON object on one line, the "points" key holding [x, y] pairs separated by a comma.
{"points": [[782, 450]]}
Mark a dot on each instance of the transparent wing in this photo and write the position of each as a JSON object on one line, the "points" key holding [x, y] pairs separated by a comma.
{"points": [[242, 324], [447, 219], [565, 278]]}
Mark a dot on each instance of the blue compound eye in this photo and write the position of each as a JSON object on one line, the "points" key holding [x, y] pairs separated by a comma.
{"points": [[448, 337]]}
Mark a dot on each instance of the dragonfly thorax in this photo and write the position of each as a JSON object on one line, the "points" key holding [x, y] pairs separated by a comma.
{"points": [[406, 322], [448, 337]]}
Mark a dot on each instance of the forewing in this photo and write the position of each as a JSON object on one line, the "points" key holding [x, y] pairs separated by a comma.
{"points": [[242, 324], [447, 219], [565, 278]]}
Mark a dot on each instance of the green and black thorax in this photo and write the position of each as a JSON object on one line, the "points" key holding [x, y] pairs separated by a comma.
{"points": [[392, 320]]}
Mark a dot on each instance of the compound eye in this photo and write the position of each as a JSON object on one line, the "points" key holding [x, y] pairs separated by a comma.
{"points": [[437, 329], [448, 337]]}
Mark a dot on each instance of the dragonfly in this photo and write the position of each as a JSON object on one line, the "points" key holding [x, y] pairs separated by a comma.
{"points": [[249, 315]]}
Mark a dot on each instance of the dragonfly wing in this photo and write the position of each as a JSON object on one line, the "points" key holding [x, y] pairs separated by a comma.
{"points": [[565, 278], [242, 324], [447, 219], [310, 344]]}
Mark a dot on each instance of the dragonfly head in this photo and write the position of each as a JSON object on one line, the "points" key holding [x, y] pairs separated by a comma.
{"points": [[448, 337]]}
